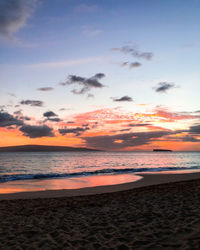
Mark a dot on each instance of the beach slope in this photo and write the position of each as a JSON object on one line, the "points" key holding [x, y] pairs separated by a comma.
{"points": [[163, 216]]}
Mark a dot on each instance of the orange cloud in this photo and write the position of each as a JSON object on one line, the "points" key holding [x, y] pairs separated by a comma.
{"points": [[109, 122]]}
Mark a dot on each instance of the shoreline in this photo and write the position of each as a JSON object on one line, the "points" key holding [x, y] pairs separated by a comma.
{"points": [[162, 216], [148, 179]]}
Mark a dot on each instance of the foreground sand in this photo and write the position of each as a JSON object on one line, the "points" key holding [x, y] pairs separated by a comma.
{"points": [[165, 216]]}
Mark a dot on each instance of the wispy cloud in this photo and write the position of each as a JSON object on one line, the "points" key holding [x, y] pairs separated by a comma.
{"points": [[168, 116], [77, 131], [14, 15], [12, 95], [134, 52], [20, 116], [64, 64], [105, 117]]}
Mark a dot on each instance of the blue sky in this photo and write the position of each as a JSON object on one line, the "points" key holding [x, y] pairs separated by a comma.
{"points": [[42, 42]]}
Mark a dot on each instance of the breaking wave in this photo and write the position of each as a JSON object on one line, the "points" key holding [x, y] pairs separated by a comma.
{"points": [[15, 177]]}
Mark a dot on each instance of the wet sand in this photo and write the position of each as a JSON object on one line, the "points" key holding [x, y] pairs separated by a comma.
{"points": [[23, 186], [146, 179], [145, 215]]}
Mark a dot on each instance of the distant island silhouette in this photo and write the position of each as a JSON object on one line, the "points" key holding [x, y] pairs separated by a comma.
{"points": [[42, 148], [162, 150]]}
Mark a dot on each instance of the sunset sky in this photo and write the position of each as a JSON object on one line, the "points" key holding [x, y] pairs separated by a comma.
{"points": [[104, 74]]}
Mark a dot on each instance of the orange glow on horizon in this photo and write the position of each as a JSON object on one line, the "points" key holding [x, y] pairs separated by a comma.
{"points": [[111, 122]]}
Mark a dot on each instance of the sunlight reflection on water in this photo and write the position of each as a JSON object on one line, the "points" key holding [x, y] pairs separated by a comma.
{"points": [[75, 162], [66, 183]]}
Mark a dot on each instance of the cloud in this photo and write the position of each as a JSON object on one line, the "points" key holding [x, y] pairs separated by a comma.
{"points": [[2, 107], [135, 65], [12, 94], [165, 115], [131, 65], [35, 103], [134, 52], [56, 119], [139, 125], [19, 115], [125, 64], [90, 95], [120, 141], [123, 99], [63, 109], [86, 83], [64, 64], [18, 112], [108, 116], [194, 129], [14, 15], [78, 130], [44, 89], [37, 131], [9, 120], [49, 114], [105, 116], [189, 139], [25, 118], [124, 129], [184, 138], [164, 87]]}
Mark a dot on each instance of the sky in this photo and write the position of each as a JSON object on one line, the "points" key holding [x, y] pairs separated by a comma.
{"points": [[106, 74]]}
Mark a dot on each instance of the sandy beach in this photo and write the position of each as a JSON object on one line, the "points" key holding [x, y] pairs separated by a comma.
{"points": [[157, 212]]}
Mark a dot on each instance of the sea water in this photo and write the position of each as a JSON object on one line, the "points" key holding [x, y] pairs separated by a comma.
{"points": [[22, 168]]}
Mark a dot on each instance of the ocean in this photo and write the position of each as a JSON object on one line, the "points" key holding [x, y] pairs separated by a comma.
{"points": [[31, 169]]}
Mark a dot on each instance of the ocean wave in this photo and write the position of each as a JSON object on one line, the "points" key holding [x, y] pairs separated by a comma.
{"points": [[15, 177]]}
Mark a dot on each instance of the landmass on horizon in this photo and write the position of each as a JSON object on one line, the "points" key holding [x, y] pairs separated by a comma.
{"points": [[42, 148], [52, 148], [162, 150]]}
